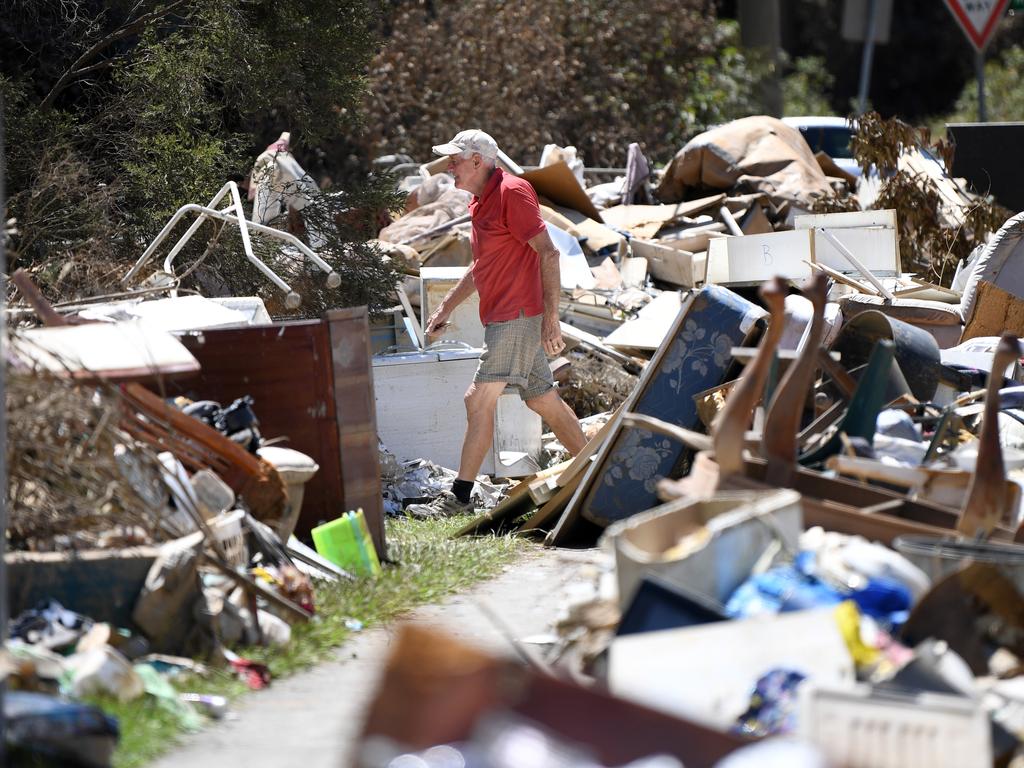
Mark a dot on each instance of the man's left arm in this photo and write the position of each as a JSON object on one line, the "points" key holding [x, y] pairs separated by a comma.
{"points": [[551, 282]]}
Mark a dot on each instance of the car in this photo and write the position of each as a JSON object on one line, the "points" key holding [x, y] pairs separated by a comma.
{"points": [[830, 135]]}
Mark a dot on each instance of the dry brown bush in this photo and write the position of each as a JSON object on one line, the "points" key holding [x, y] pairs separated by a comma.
{"points": [[593, 74]]}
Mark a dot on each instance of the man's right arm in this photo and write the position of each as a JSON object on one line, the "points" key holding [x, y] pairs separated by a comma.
{"points": [[462, 291]]}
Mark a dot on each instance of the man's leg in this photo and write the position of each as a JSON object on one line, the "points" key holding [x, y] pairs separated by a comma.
{"points": [[481, 400], [559, 416]]}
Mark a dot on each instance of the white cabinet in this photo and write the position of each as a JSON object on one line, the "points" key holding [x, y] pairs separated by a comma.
{"points": [[420, 413]]}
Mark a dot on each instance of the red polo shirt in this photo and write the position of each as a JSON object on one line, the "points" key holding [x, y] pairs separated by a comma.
{"points": [[506, 270]]}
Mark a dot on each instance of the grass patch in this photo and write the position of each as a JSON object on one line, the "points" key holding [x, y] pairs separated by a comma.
{"points": [[430, 566]]}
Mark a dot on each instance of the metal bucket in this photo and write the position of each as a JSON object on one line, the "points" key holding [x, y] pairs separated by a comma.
{"points": [[917, 353], [938, 556]]}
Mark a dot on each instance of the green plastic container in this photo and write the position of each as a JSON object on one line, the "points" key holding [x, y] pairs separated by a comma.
{"points": [[346, 542]]}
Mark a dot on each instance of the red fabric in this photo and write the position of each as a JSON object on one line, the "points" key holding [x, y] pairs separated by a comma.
{"points": [[506, 270]]}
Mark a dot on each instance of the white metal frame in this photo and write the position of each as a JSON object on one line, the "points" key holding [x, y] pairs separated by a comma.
{"points": [[232, 213]]}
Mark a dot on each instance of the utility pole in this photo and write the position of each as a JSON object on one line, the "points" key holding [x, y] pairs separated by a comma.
{"points": [[761, 29], [979, 72]]}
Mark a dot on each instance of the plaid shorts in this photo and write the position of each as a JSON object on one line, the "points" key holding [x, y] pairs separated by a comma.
{"points": [[513, 354]]}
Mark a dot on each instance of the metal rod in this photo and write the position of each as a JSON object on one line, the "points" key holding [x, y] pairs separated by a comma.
{"points": [[848, 254], [979, 73], [867, 56], [233, 214]]}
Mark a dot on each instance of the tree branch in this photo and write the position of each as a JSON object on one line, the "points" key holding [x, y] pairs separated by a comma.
{"points": [[79, 66]]}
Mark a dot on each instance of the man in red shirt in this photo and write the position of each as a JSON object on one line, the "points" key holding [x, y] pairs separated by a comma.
{"points": [[515, 271]]}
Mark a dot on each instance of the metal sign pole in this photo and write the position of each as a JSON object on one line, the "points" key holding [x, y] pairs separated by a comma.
{"points": [[979, 72], [868, 55]]}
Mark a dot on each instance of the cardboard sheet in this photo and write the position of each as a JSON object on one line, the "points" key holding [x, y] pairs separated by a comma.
{"points": [[558, 184], [652, 323], [644, 221]]}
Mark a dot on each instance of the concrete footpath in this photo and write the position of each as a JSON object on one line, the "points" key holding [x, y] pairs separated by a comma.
{"points": [[313, 719]]}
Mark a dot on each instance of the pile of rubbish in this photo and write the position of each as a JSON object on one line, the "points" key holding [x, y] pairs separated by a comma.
{"points": [[809, 499], [803, 467]]}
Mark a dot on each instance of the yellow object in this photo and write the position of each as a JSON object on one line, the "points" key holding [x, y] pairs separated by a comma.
{"points": [[346, 542], [847, 617]]}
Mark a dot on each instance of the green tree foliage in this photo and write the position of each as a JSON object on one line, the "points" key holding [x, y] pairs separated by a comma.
{"points": [[1004, 97], [806, 89], [117, 113], [596, 74], [934, 233]]}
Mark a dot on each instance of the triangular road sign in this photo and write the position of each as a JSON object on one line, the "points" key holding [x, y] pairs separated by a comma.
{"points": [[978, 18]]}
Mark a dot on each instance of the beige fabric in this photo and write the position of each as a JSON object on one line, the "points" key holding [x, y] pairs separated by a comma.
{"points": [[754, 154], [914, 311]]}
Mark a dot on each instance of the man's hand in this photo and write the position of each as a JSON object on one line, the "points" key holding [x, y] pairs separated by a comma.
{"points": [[551, 334], [437, 321]]}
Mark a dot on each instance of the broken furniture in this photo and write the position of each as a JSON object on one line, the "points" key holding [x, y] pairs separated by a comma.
{"points": [[695, 355], [436, 690], [231, 213], [311, 382], [833, 503], [992, 297]]}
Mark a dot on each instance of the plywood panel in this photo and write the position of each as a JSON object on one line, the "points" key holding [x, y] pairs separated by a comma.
{"points": [[355, 414]]}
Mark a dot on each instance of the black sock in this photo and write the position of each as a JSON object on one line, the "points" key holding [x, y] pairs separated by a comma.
{"points": [[462, 489]]}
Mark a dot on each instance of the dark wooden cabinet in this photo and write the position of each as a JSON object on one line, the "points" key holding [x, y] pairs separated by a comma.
{"points": [[312, 383]]}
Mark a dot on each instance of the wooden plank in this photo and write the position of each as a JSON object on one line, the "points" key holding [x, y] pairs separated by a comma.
{"points": [[553, 507], [517, 503], [648, 329], [356, 417], [580, 460]]}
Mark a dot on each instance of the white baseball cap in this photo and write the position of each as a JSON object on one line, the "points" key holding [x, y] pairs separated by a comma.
{"points": [[473, 140]]}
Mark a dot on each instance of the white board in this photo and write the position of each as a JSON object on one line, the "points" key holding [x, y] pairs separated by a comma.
{"points": [[465, 325], [871, 236], [752, 259]]}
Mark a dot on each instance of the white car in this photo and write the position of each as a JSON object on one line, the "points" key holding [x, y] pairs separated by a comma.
{"points": [[829, 134]]}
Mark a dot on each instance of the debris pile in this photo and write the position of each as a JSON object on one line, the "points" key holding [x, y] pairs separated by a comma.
{"points": [[809, 499]]}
